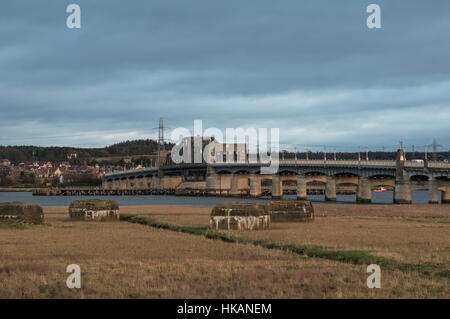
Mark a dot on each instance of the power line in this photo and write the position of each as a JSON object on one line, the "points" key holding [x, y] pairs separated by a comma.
{"points": [[160, 140]]}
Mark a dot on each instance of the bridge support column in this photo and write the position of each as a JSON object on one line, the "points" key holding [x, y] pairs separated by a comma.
{"points": [[446, 196], [358, 191], [301, 187], [234, 184], [107, 184], [147, 182], [366, 190], [277, 187], [212, 181], [116, 184], [255, 185], [402, 192], [330, 189], [164, 182], [133, 183], [137, 183], [156, 182], [225, 184], [433, 191], [177, 182]]}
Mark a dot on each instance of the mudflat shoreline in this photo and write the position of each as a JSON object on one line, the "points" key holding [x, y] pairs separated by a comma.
{"points": [[321, 210], [17, 189]]}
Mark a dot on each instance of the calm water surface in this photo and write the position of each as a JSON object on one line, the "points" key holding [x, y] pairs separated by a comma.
{"points": [[419, 197]]}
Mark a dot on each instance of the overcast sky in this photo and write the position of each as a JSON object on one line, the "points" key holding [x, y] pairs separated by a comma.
{"points": [[311, 68]]}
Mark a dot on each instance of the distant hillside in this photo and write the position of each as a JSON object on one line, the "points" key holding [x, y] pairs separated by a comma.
{"points": [[18, 154]]}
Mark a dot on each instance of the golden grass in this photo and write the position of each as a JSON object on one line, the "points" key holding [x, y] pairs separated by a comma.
{"points": [[409, 233], [123, 260]]}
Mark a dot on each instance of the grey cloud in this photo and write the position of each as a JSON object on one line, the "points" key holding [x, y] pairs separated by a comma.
{"points": [[286, 64]]}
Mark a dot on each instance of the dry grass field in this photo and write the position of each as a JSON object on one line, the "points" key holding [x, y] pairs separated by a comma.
{"points": [[409, 233], [125, 260]]}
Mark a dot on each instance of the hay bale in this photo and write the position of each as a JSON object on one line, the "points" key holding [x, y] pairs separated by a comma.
{"points": [[94, 210], [21, 212], [239, 216], [290, 211]]}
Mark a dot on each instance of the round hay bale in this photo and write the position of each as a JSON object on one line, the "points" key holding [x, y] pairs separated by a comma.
{"points": [[21, 212], [290, 211], [94, 210], [239, 216]]}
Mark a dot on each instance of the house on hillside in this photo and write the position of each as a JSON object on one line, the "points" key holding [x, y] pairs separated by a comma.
{"points": [[5, 162]]}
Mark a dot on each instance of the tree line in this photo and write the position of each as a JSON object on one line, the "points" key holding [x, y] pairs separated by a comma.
{"points": [[30, 153]]}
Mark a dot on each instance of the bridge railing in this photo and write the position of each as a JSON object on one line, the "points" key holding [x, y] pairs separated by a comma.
{"points": [[320, 162], [136, 170], [363, 163], [439, 165], [337, 162]]}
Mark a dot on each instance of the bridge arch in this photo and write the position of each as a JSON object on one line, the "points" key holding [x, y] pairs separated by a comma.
{"points": [[315, 172], [345, 174], [418, 178], [287, 171], [224, 171], [381, 176]]}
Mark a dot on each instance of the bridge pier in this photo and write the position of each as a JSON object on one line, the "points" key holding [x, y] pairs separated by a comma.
{"points": [[366, 190], [255, 185], [234, 185], [131, 183], [358, 191], [137, 183], [446, 195], [156, 182], [124, 184], [170, 182], [330, 189], [212, 181], [147, 182], [301, 187], [225, 184], [142, 183], [402, 192], [433, 191], [164, 182], [277, 187], [109, 185]]}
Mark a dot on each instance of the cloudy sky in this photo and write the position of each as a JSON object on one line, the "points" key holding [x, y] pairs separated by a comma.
{"points": [[311, 68]]}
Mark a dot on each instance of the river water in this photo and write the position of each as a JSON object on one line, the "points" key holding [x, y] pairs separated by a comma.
{"points": [[418, 197]]}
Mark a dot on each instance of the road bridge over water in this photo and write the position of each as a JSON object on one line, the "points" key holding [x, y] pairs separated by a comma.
{"points": [[298, 177]]}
